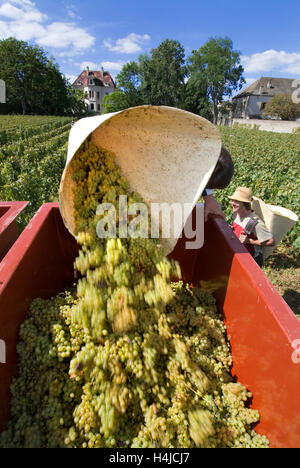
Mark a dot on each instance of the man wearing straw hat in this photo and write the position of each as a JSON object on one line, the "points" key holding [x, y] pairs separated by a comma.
{"points": [[249, 228]]}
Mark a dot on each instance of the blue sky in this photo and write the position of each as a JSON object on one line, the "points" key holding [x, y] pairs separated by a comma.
{"points": [[111, 33]]}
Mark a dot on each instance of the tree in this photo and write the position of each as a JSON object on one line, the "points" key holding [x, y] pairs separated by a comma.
{"points": [[157, 79], [33, 82], [164, 74], [217, 65], [196, 99], [115, 102], [129, 83], [76, 104], [282, 106]]}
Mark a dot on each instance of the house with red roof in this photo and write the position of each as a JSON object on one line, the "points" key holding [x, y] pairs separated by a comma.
{"points": [[96, 85]]}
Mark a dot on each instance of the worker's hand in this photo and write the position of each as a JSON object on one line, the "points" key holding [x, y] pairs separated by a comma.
{"points": [[244, 239], [212, 207]]}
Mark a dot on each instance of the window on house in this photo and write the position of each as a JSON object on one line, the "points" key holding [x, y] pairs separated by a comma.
{"points": [[92, 106], [91, 82], [98, 107], [262, 105], [98, 95], [90, 94]]}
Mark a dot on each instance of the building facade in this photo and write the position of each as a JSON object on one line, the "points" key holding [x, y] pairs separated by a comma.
{"points": [[96, 85], [250, 103]]}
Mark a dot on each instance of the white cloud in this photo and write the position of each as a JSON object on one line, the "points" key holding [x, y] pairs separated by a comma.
{"points": [[92, 66], [22, 2], [72, 11], [25, 22], [116, 66], [249, 81], [69, 53], [272, 60], [128, 45], [62, 35], [71, 78], [293, 69], [4, 30], [27, 12], [26, 31], [108, 66]]}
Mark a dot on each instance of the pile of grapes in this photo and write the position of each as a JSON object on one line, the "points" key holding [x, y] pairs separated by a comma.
{"points": [[131, 356]]}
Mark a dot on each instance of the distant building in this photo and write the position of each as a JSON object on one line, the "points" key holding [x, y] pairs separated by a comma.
{"points": [[96, 85], [250, 103]]}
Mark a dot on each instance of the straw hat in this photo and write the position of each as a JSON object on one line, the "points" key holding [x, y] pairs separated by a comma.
{"points": [[243, 194]]}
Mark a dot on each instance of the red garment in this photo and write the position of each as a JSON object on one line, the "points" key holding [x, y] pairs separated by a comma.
{"points": [[238, 230]]}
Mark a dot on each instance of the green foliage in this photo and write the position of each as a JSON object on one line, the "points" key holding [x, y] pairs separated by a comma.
{"points": [[218, 66], [34, 84], [129, 82], [115, 102], [282, 106], [196, 99], [156, 80], [166, 73], [268, 162], [33, 152], [197, 84], [76, 104], [297, 244]]}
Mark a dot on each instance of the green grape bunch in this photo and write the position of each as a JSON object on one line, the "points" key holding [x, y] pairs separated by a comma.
{"points": [[131, 357]]}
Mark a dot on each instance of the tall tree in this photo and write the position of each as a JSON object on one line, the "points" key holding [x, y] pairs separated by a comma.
{"points": [[217, 64], [196, 98], [129, 82], [128, 92], [158, 79], [164, 74], [33, 82]]}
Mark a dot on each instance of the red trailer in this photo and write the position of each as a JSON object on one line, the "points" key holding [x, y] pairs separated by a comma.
{"points": [[264, 333], [9, 231]]}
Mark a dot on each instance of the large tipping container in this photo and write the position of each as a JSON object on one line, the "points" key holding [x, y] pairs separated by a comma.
{"points": [[9, 231], [166, 154], [263, 331]]}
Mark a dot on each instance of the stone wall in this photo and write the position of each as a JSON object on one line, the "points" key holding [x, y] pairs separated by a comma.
{"points": [[281, 126]]}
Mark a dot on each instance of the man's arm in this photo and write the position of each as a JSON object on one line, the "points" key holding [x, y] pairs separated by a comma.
{"points": [[211, 206], [264, 237]]}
